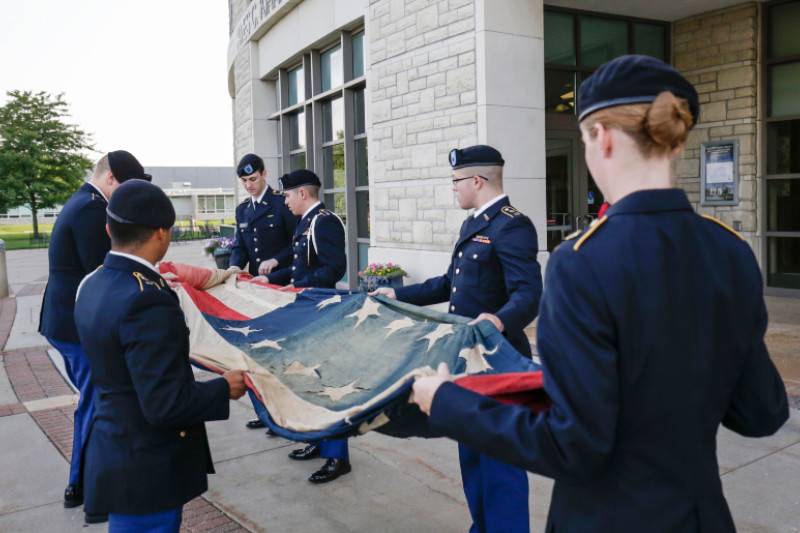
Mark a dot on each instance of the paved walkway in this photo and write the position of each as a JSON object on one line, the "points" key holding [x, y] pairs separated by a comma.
{"points": [[396, 485]]}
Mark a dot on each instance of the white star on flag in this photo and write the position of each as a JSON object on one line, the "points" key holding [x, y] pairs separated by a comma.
{"points": [[337, 393], [397, 325], [246, 331], [268, 343], [299, 369], [370, 308], [442, 331], [330, 301], [474, 357]]}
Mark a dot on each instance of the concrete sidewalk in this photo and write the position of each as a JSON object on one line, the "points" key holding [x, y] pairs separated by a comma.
{"points": [[396, 485]]}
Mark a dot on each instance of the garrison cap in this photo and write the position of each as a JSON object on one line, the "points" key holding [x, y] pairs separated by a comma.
{"points": [[298, 178], [249, 164], [124, 166], [479, 155], [633, 79], [142, 203]]}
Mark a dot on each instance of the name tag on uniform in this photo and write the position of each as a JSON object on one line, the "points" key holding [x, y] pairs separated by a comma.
{"points": [[482, 239], [242, 225]]}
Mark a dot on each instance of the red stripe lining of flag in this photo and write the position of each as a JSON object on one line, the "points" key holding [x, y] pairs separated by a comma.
{"points": [[212, 306]]}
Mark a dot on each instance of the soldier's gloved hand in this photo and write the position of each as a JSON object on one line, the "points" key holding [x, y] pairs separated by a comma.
{"points": [[384, 291], [425, 388], [235, 379], [491, 318], [267, 266]]}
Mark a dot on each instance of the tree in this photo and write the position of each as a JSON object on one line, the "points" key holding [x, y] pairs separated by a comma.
{"points": [[41, 155]]}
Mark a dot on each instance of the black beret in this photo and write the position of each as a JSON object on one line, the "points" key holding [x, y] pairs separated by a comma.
{"points": [[124, 166], [479, 155], [633, 79], [298, 178], [142, 203], [250, 164]]}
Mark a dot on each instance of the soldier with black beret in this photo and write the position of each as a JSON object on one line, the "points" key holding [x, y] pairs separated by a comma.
{"points": [[493, 275], [264, 226], [651, 334], [78, 245], [318, 260], [147, 452]]}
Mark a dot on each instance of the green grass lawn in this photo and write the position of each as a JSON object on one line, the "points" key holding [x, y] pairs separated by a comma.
{"points": [[20, 236]]}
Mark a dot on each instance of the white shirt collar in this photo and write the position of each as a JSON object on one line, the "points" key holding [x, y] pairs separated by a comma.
{"points": [[138, 259], [98, 190], [488, 204], [255, 201], [310, 209]]}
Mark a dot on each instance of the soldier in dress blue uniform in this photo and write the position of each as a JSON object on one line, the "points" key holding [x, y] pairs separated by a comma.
{"points": [[147, 452], [264, 228], [318, 260], [78, 245], [493, 276], [651, 334]]}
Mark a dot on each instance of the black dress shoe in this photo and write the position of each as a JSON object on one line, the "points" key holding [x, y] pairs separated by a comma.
{"points": [[73, 496], [254, 424], [309, 452], [95, 518], [271, 433], [332, 469]]}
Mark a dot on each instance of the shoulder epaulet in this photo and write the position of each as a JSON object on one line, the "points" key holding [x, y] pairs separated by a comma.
{"points": [[277, 193], [324, 212], [593, 227], [510, 211], [724, 225], [573, 235], [144, 280]]}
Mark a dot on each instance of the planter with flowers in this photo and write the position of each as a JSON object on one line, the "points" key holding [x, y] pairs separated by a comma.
{"points": [[220, 249], [381, 275]]}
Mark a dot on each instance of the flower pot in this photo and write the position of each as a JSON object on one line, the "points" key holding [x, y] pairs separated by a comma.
{"points": [[370, 283], [222, 258]]}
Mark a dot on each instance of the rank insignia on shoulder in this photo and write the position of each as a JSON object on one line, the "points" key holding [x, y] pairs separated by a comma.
{"points": [[593, 227], [144, 280], [324, 212], [510, 211], [482, 239], [277, 193], [722, 224]]}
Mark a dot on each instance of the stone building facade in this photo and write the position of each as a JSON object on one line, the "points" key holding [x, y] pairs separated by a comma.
{"points": [[423, 76]]}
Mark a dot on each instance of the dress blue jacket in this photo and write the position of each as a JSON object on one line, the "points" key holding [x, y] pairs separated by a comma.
{"points": [[263, 232], [651, 335], [318, 252], [78, 244], [493, 269], [147, 449]]}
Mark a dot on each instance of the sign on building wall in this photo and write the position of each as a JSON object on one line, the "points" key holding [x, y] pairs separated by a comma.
{"points": [[719, 173]]}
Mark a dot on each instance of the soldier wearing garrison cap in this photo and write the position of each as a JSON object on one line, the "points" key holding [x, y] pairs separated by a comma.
{"points": [[650, 333], [318, 260], [493, 275], [77, 246], [147, 453]]}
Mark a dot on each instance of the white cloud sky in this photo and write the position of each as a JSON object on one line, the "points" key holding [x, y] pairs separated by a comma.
{"points": [[148, 76]]}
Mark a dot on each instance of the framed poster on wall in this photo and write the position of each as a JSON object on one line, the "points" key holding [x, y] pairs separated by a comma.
{"points": [[719, 173]]}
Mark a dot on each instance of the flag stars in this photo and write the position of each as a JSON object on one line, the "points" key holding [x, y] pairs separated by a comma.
{"points": [[397, 325], [246, 331], [330, 301], [443, 330], [370, 308]]}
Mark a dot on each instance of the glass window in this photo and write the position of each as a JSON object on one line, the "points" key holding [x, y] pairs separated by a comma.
{"points": [[783, 200], [297, 86], [297, 130], [602, 40], [333, 120], [783, 147], [357, 43], [784, 39], [559, 91], [333, 176], [220, 200], [783, 262], [335, 201], [363, 255], [784, 81], [297, 161], [559, 38], [362, 163], [331, 66], [362, 212], [360, 124], [648, 40]]}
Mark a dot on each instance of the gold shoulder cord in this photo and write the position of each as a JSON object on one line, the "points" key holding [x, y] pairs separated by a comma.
{"points": [[724, 225], [594, 227]]}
